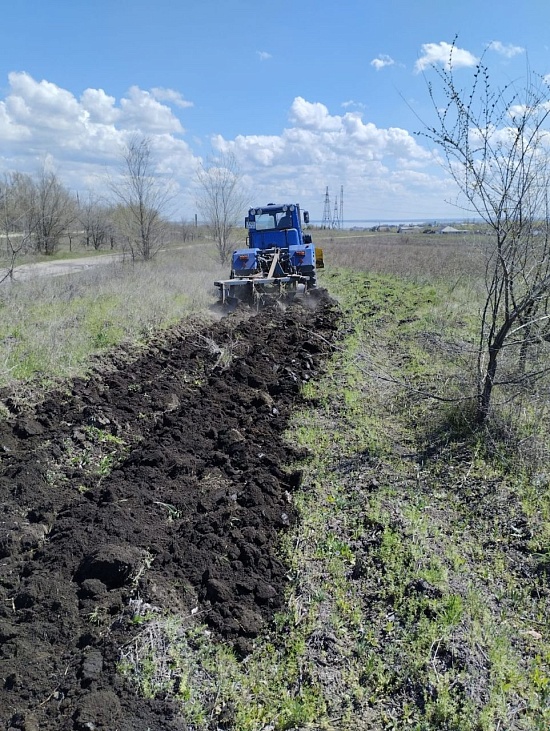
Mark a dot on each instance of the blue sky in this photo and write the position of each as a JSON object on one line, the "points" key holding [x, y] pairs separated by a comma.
{"points": [[306, 94]]}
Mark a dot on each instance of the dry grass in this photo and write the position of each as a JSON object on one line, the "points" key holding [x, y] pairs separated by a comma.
{"points": [[51, 325], [423, 257]]}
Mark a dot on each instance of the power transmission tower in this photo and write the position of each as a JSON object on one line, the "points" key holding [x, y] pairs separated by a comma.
{"points": [[335, 222], [341, 206], [326, 213]]}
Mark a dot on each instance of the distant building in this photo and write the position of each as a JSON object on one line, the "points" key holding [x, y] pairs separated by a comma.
{"points": [[408, 229], [451, 230]]}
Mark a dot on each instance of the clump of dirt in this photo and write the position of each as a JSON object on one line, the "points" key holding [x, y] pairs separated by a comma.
{"points": [[162, 477]]}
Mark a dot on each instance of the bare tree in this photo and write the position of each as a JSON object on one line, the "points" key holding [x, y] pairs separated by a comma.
{"points": [[496, 148], [39, 209], [53, 212], [143, 198], [22, 207], [187, 229], [221, 200], [94, 219], [19, 218], [13, 242]]}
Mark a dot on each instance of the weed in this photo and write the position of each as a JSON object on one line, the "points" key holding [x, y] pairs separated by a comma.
{"points": [[94, 451], [168, 657], [172, 511]]}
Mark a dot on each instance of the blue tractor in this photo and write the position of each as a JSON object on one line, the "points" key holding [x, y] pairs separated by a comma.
{"points": [[279, 258]]}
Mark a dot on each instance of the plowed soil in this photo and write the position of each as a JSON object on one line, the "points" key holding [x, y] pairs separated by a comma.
{"points": [[161, 477]]}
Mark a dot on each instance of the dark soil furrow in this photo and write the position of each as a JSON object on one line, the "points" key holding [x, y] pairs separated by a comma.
{"points": [[163, 477]]}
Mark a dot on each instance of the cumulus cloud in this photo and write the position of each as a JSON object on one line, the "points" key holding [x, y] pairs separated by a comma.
{"points": [[169, 95], [264, 150], [140, 109], [39, 120], [41, 103], [381, 61], [264, 55], [374, 164], [505, 49], [83, 136], [444, 54], [41, 108], [100, 107], [312, 115], [10, 130]]}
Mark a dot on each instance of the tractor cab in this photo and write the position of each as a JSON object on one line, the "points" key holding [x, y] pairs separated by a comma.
{"points": [[275, 226]]}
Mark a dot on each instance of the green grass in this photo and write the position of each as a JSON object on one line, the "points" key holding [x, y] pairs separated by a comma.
{"points": [[171, 658], [429, 626]]}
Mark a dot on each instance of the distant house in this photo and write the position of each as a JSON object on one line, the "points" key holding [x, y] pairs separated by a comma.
{"points": [[451, 230]]}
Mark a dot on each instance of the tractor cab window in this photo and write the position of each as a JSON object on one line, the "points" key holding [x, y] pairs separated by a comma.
{"points": [[268, 221], [284, 219]]}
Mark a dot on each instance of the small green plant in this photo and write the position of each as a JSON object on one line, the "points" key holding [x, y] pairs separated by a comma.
{"points": [[95, 452], [172, 512], [98, 616]]}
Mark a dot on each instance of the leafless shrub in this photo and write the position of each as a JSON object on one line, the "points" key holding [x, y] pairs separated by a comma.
{"points": [[495, 144]]}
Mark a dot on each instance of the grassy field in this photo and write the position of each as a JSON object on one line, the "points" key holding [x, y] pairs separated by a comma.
{"points": [[423, 544], [419, 592], [50, 327]]}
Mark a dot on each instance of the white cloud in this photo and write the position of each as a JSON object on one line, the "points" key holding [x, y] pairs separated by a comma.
{"points": [[264, 55], [505, 49], [382, 169], [169, 95], [352, 103], [10, 130], [375, 165], [44, 110], [262, 150], [444, 54], [312, 115], [142, 111], [100, 107], [83, 136], [381, 61], [42, 103]]}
